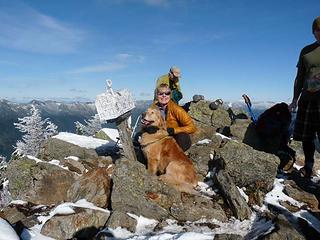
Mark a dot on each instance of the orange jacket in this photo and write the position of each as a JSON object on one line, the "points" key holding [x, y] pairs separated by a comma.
{"points": [[179, 119]]}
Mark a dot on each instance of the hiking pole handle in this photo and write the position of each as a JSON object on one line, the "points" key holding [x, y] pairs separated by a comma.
{"points": [[246, 100], [248, 103]]}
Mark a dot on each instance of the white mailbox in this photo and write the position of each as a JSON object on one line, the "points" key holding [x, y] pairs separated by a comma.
{"points": [[111, 105]]}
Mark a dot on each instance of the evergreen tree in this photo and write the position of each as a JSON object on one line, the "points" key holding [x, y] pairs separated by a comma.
{"points": [[3, 163], [90, 128], [36, 131]]}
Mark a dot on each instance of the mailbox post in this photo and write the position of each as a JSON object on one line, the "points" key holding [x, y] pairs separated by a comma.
{"points": [[116, 107]]}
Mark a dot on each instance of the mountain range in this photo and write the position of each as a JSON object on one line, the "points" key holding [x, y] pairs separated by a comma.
{"points": [[64, 114]]}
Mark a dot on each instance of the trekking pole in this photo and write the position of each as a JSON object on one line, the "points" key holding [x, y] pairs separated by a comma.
{"points": [[135, 126], [248, 103]]}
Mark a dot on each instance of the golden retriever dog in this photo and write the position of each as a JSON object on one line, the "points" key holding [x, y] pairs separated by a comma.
{"points": [[164, 155]]}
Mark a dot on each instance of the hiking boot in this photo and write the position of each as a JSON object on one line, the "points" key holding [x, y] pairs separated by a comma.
{"points": [[286, 161], [305, 172]]}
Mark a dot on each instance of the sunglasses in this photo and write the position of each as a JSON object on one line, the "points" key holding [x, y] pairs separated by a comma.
{"points": [[164, 93]]}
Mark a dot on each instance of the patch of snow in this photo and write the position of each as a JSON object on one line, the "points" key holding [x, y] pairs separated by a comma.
{"points": [[204, 141], [121, 233], [34, 158], [18, 202], [34, 234], [235, 226], [57, 163], [72, 158], [243, 194], [206, 188], [144, 225], [223, 136], [82, 141], [276, 195], [112, 133], [7, 232], [62, 209]]}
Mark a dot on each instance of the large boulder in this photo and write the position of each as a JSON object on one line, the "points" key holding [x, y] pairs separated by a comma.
{"points": [[201, 112], [284, 230], [200, 154], [55, 148], [123, 220], [29, 180], [218, 118], [84, 223], [94, 186], [136, 191], [249, 168]]}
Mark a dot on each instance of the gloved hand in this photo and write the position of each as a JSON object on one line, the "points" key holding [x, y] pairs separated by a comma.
{"points": [[170, 131]]}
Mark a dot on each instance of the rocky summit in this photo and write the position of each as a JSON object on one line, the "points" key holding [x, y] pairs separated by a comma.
{"points": [[75, 192]]}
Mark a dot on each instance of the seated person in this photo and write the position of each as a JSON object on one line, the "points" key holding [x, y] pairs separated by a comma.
{"points": [[179, 123], [172, 80]]}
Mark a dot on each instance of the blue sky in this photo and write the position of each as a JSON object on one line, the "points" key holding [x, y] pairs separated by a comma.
{"points": [[67, 49]]}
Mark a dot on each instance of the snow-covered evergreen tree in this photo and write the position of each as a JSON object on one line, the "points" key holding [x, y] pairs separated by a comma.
{"points": [[3, 167], [90, 128], [36, 131], [3, 163]]}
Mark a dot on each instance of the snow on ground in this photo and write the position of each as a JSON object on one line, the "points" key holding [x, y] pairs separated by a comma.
{"points": [[7, 232], [19, 202], [53, 162], [57, 163], [83, 141], [223, 136], [189, 231], [255, 226], [62, 209], [204, 141], [243, 194], [276, 195], [112, 133], [72, 158]]}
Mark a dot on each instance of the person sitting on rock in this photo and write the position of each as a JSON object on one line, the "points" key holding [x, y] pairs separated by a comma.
{"points": [[179, 123]]}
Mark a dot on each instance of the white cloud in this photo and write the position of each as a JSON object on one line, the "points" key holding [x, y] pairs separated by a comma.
{"points": [[123, 56], [120, 61], [26, 29], [105, 67]]}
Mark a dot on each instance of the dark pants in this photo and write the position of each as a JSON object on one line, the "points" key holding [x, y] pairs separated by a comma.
{"points": [[309, 150], [183, 140]]}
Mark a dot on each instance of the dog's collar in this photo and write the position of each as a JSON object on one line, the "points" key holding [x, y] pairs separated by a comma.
{"points": [[145, 145]]}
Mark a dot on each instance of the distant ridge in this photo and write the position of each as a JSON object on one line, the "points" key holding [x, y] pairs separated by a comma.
{"points": [[64, 114]]}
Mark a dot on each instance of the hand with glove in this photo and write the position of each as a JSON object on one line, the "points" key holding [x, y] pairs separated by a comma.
{"points": [[170, 131]]}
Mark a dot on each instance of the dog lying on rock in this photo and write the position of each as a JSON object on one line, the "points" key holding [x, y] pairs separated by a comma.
{"points": [[164, 155]]}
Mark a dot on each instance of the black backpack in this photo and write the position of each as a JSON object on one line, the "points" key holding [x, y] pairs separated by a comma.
{"points": [[274, 121]]}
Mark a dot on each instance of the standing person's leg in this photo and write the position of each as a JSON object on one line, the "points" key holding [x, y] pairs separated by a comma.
{"points": [[312, 130], [183, 140], [308, 150]]}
